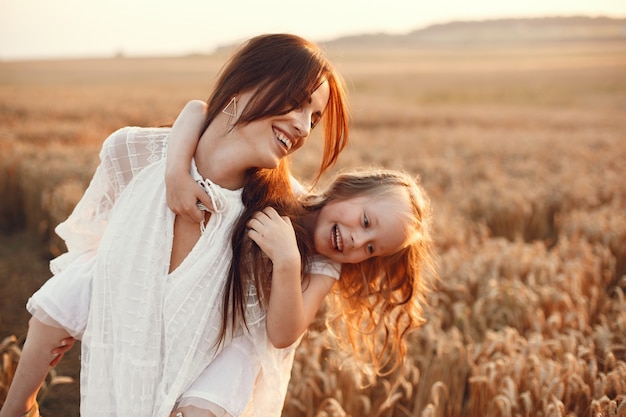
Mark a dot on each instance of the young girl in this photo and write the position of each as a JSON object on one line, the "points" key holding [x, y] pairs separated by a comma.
{"points": [[370, 232], [371, 235], [154, 319]]}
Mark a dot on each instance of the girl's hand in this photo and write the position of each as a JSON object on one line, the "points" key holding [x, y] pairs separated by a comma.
{"points": [[183, 194], [64, 346], [275, 236]]}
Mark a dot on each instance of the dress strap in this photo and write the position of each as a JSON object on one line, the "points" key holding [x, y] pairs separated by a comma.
{"points": [[216, 194], [219, 200]]}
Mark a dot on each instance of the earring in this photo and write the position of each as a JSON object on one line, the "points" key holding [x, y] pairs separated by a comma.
{"points": [[231, 108]]}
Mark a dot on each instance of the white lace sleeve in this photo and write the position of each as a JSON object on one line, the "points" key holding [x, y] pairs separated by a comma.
{"points": [[124, 153]]}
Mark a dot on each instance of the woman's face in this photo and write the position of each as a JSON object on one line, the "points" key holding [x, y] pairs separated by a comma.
{"points": [[272, 138], [356, 229]]}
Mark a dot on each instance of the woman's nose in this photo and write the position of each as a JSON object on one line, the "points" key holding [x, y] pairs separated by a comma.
{"points": [[302, 122]]}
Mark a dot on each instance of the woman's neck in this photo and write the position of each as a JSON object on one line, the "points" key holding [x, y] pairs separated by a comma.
{"points": [[219, 159]]}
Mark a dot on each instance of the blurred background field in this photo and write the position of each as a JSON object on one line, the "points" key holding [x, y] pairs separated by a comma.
{"points": [[521, 147]]}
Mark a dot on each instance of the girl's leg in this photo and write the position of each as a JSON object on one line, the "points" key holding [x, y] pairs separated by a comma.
{"points": [[32, 368]]}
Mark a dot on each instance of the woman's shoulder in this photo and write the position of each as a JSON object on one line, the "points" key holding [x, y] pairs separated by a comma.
{"points": [[130, 149], [134, 133], [130, 139]]}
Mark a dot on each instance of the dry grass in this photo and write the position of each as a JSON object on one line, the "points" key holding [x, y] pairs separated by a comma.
{"points": [[522, 152], [9, 357]]}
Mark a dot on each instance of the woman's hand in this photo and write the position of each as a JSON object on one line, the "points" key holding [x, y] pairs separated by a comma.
{"points": [[64, 346]]}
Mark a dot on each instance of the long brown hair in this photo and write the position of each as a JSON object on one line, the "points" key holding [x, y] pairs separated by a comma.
{"points": [[378, 301], [283, 70]]}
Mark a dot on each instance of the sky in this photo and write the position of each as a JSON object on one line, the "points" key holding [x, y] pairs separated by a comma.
{"points": [[33, 29]]}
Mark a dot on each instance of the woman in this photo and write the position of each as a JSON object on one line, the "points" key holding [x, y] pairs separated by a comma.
{"points": [[154, 322]]}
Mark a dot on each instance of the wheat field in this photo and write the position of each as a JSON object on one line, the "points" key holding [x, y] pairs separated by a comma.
{"points": [[521, 149]]}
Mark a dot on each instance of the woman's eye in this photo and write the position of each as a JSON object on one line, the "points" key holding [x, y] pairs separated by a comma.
{"points": [[370, 248], [366, 221]]}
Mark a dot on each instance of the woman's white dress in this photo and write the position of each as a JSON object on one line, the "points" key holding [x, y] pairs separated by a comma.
{"points": [[151, 334]]}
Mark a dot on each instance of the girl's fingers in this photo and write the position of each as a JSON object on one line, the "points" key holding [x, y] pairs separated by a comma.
{"points": [[183, 198], [205, 200], [270, 212], [266, 218], [258, 220], [192, 213]]}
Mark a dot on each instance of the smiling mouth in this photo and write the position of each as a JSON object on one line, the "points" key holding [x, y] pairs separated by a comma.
{"points": [[284, 140], [336, 239]]}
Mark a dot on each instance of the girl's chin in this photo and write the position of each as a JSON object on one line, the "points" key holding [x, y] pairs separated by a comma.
{"points": [[333, 256]]}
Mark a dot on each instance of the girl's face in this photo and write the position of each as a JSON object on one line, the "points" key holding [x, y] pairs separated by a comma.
{"points": [[353, 230], [272, 138]]}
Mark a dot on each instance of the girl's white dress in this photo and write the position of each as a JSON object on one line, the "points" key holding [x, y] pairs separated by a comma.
{"points": [[149, 336]]}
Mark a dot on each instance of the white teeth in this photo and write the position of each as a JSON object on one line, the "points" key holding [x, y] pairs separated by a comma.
{"points": [[336, 238], [284, 140]]}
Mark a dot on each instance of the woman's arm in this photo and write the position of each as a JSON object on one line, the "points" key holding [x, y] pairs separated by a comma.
{"points": [[84, 227], [182, 191], [290, 310]]}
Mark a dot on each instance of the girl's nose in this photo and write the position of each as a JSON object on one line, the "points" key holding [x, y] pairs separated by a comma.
{"points": [[358, 239]]}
